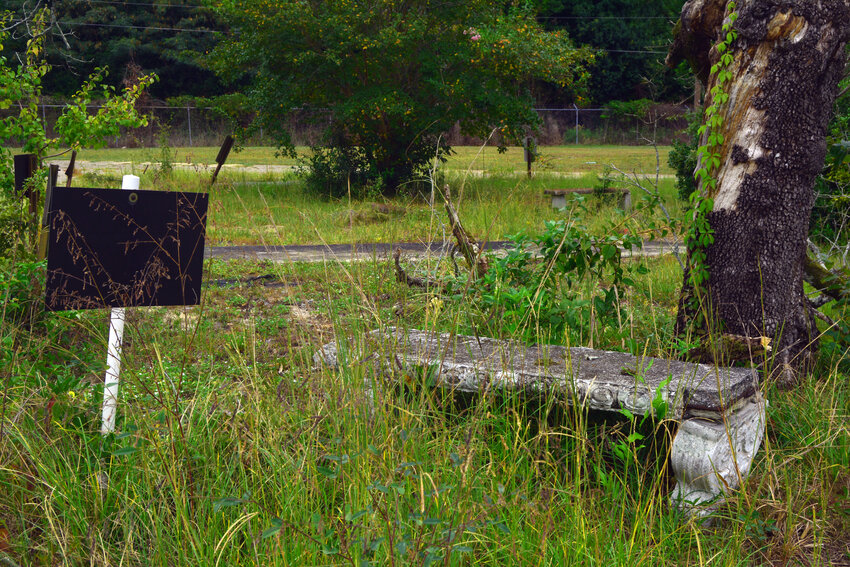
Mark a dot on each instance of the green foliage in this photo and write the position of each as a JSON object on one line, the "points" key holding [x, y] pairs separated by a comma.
{"points": [[644, 443], [424, 530], [623, 108], [835, 342], [700, 234], [384, 79], [21, 87], [551, 296], [159, 37], [12, 213], [683, 159], [21, 282], [331, 171], [76, 127], [627, 32], [831, 211], [165, 165]]}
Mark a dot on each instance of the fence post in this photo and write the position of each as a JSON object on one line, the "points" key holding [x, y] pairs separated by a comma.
{"points": [[574, 106], [189, 118]]}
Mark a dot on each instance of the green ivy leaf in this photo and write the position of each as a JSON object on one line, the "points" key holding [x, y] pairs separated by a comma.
{"points": [[272, 530]]}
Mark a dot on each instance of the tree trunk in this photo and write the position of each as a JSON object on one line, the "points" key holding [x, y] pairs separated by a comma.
{"points": [[788, 60]]}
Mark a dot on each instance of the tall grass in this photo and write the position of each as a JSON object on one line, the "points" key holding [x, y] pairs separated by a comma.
{"points": [[235, 447], [253, 210]]}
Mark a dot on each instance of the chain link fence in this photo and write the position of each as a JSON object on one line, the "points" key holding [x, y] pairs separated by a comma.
{"points": [[188, 126]]}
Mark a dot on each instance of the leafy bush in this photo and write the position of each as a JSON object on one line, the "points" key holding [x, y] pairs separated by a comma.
{"points": [[21, 88], [21, 284], [11, 223], [623, 108], [11, 206], [831, 211], [683, 159], [536, 289]]}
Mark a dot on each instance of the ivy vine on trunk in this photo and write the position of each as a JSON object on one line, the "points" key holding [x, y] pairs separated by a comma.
{"points": [[768, 146]]}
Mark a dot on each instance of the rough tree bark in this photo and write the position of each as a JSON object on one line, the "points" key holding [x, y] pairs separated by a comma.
{"points": [[788, 60]]}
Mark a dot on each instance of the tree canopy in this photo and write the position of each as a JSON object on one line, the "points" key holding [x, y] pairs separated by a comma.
{"points": [[155, 36], [633, 35], [384, 78]]}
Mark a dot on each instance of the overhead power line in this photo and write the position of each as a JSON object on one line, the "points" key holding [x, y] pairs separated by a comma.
{"points": [[83, 24], [164, 5], [156, 4], [175, 5], [196, 30], [631, 51], [155, 28]]}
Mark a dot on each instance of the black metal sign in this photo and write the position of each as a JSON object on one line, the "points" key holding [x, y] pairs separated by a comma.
{"points": [[118, 248]]}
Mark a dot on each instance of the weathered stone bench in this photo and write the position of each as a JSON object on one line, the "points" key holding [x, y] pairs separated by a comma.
{"points": [[720, 411], [559, 196]]}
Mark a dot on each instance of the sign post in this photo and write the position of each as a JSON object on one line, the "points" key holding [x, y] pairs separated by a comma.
{"points": [[113, 348], [25, 168], [223, 152]]}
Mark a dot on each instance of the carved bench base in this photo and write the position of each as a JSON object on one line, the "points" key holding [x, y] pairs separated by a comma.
{"points": [[713, 451]]}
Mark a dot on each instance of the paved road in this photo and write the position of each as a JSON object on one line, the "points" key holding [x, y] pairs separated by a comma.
{"points": [[376, 251]]}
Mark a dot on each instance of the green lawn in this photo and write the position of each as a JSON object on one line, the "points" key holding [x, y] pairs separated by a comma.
{"points": [[553, 158], [491, 209], [491, 191]]}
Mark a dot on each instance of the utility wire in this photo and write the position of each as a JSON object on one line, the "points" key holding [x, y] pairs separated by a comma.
{"points": [[158, 5], [605, 17], [163, 5], [87, 24], [125, 26], [630, 51]]}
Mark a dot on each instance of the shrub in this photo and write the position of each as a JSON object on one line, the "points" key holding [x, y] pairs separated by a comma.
{"points": [[683, 159], [562, 284]]}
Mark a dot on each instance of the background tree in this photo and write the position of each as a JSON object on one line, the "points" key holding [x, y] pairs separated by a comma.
{"points": [[771, 92], [21, 85], [384, 78], [633, 36], [831, 212], [163, 37]]}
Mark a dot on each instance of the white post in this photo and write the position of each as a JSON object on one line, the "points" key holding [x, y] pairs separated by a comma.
{"points": [[113, 352]]}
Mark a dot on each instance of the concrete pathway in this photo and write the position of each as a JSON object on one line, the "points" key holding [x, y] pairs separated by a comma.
{"points": [[381, 251]]}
